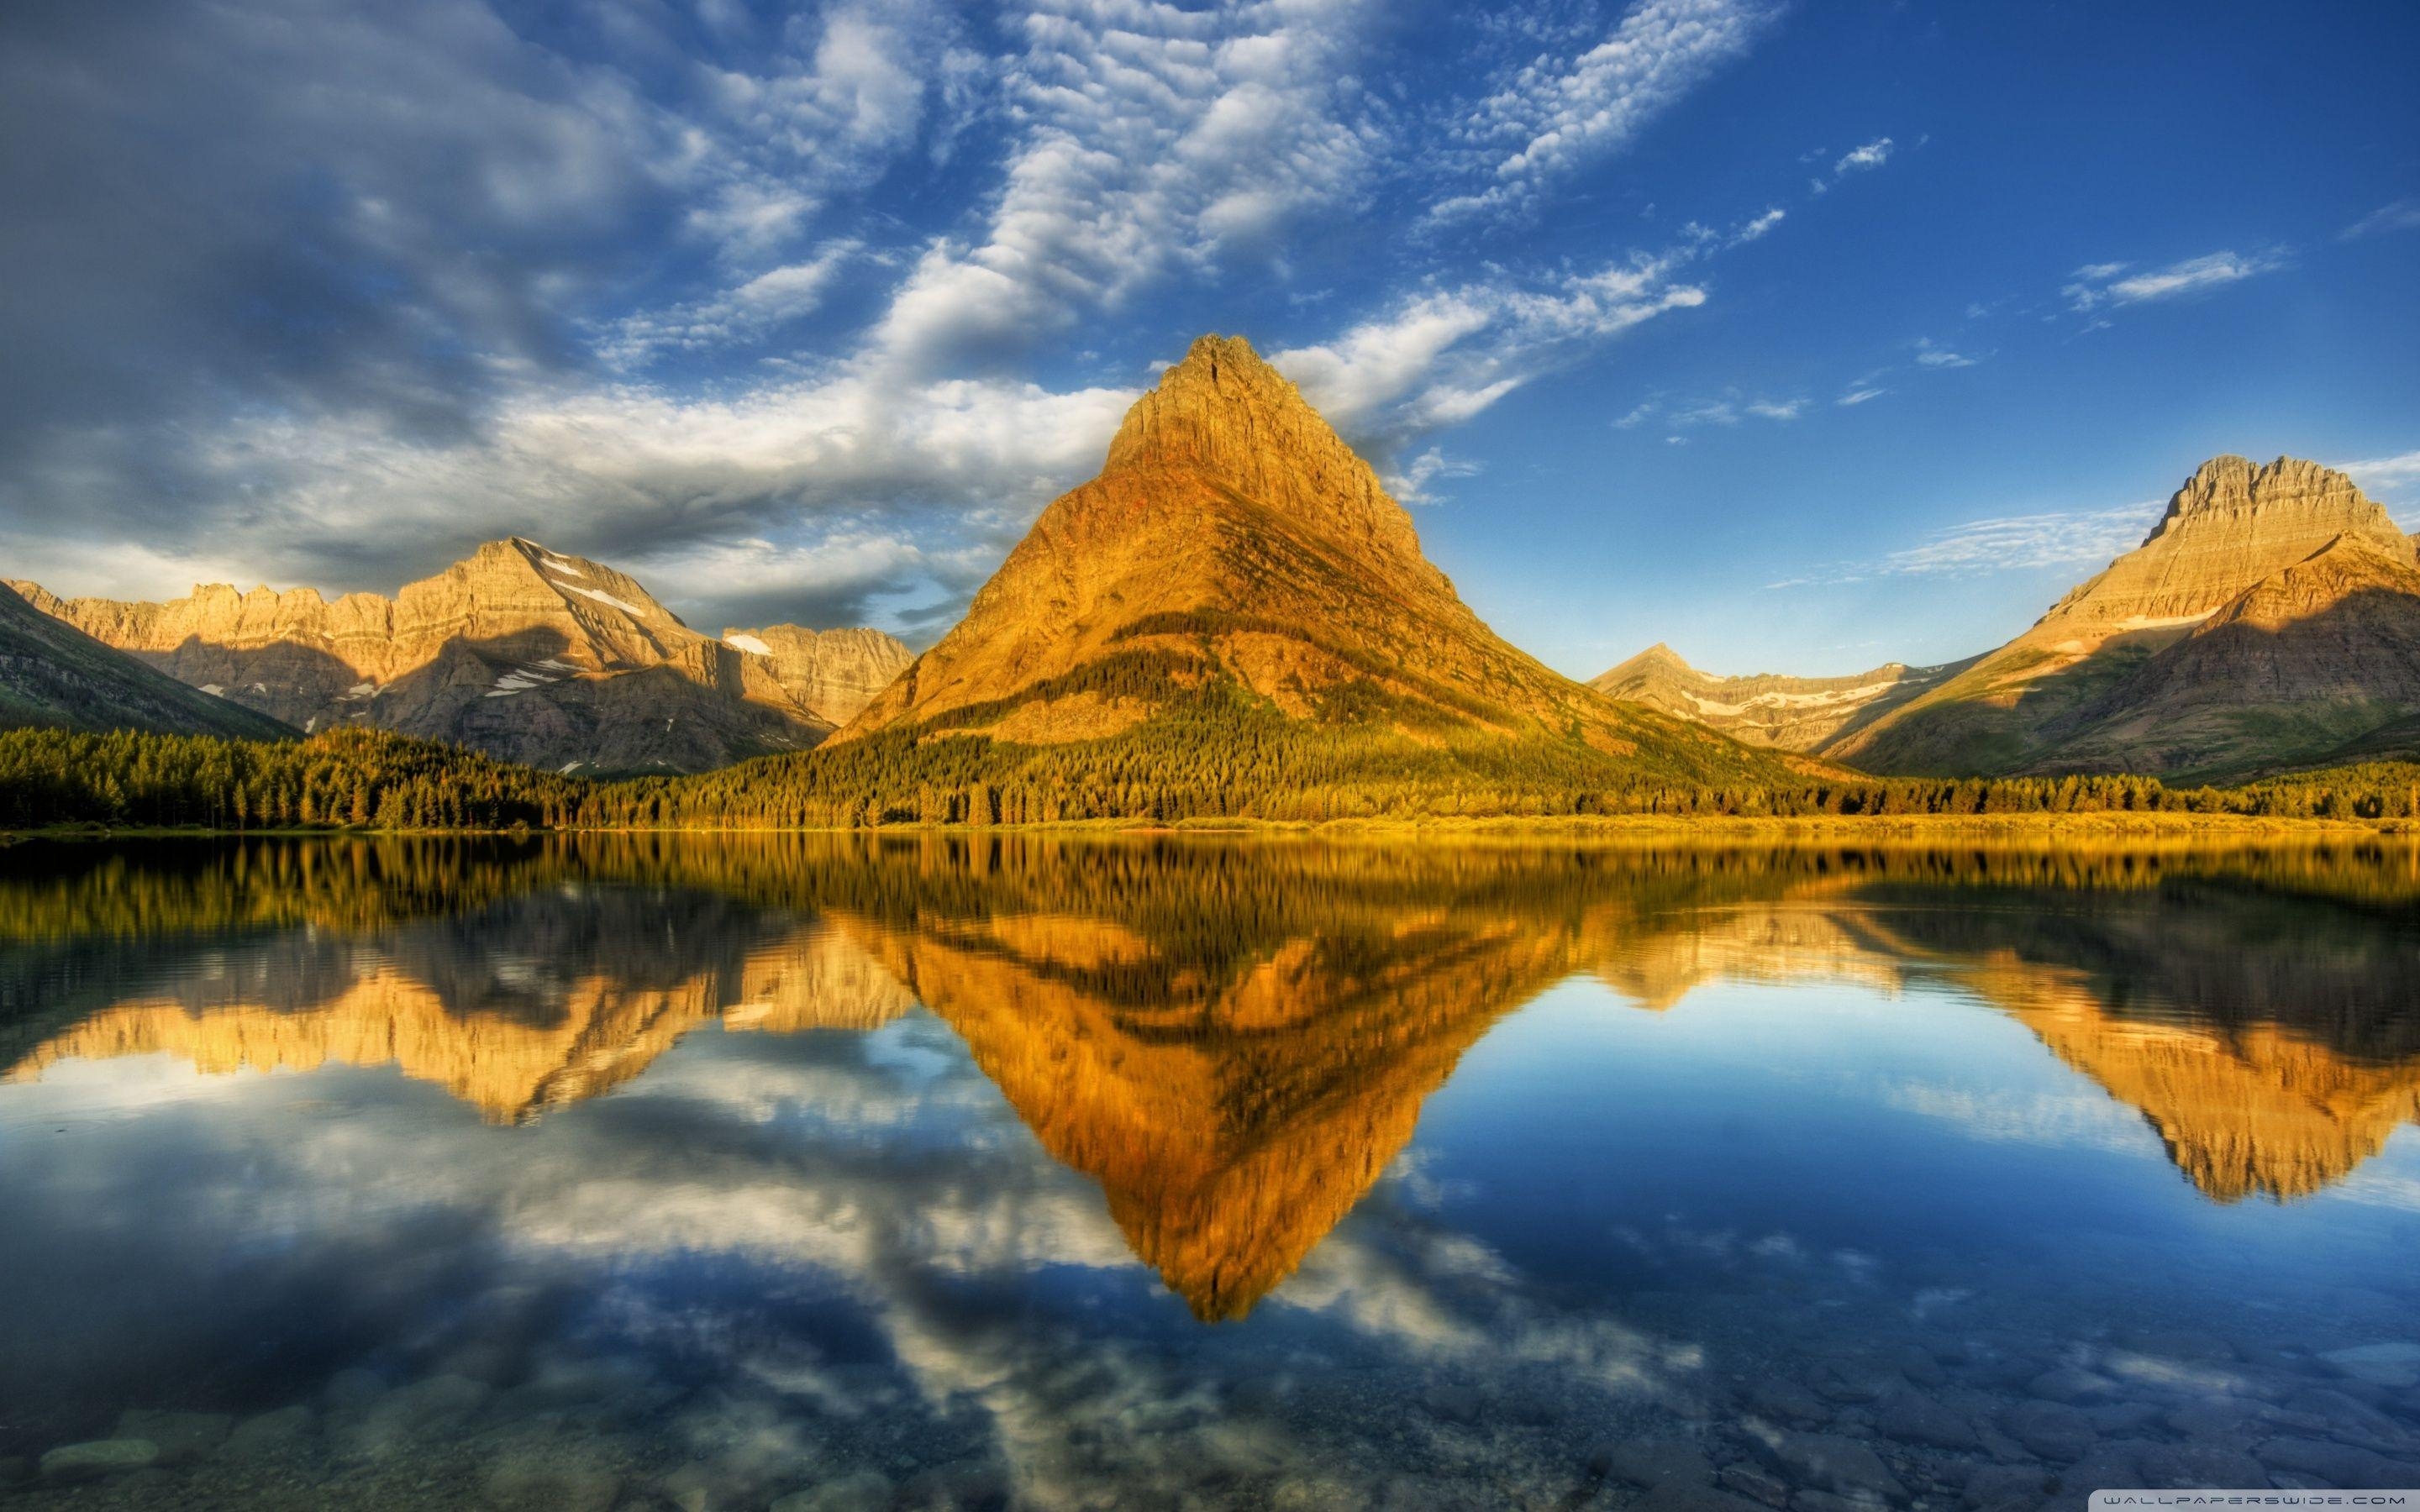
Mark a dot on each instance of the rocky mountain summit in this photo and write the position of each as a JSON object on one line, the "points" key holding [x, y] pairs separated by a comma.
{"points": [[2269, 619], [1768, 708], [1235, 546], [831, 674], [518, 651]]}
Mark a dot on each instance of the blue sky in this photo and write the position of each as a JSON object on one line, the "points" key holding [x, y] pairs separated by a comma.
{"points": [[1800, 336]]}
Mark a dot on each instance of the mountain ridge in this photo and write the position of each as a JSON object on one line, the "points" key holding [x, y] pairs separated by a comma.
{"points": [[53, 674], [517, 650], [2269, 618]]}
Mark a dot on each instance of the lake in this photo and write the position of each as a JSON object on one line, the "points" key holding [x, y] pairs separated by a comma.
{"points": [[833, 1172]]}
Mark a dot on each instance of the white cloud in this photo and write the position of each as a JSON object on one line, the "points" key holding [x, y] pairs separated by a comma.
{"points": [[2010, 543], [2402, 215], [1872, 155], [1154, 139], [1554, 113], [1441, 357], [1758, 228], [1411, 484], [2098, 284], [2385, 475], [1778, 410], [1931, 354], [746, 313], [1856, 396]]}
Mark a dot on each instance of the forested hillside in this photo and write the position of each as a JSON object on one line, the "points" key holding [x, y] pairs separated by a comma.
{"points": [[368, 779]]}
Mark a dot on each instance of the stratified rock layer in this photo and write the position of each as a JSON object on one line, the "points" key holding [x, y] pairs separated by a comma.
{"points": [[831, 674], [518, 651], [52, 673]]}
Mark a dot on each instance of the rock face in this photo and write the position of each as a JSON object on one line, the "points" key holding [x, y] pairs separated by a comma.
{"points": [[1766, 709], [52, 673], [518, 651], [2271, 619], [831, 674], [1235, 542]]}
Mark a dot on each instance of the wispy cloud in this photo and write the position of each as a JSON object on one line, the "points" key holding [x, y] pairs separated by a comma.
{"points": [[1440, 357], [1930, 354], [1554, 113], [2010, 543], [2402, 215], [1856, 159], [1728, 409], [2385, 475], [2102, 285], [1872, 155], [1411, 484], [1860, 395]]}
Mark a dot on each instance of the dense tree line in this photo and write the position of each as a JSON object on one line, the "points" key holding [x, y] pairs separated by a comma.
{"points": [[1203, 760]]}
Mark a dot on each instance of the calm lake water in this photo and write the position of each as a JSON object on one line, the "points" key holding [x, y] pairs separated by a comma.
{"points": [[810, 1172]]}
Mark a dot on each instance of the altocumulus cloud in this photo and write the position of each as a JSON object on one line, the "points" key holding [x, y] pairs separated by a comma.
{"points": [[795, 315]]}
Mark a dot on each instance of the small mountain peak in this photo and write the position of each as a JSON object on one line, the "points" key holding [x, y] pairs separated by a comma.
{"points": [[1658, 657]]}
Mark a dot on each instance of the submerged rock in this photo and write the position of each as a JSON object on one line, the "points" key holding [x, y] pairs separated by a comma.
{"points": [[1652, 1463], [2054, 1430], [867, 1490], [1913, 1417], [71, 1462], [183, 1437], [270, 1433], [2380, 1364], [540, 1483], [1828, 1463]]}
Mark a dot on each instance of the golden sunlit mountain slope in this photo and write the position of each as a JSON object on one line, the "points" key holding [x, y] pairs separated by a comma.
{"points": [[1236, 555]]}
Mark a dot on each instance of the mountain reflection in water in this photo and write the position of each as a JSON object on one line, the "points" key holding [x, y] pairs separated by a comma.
{"points": [[1233, 1039]]}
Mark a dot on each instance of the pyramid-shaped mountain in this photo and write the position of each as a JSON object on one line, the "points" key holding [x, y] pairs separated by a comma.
{"points": [[517, 650], [1233, 546]]}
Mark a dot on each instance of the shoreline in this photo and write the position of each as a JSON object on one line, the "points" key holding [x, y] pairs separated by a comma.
{"points": [[2146, 823]]}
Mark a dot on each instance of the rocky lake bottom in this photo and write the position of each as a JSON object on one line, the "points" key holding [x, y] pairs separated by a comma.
{"points": [[810, 1174]]}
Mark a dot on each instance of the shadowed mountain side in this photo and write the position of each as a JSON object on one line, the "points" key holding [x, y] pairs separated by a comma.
{"points": [[2320, 657], [2096, 681], [52, 673]]}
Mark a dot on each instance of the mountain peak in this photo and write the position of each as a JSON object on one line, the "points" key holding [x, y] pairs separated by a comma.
{"points": [[2231, 485], [1227, 415]]}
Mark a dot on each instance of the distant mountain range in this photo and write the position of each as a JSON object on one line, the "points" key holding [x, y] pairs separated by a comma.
{"points": [[521, 652], [2270, 619], [1235, 606]]}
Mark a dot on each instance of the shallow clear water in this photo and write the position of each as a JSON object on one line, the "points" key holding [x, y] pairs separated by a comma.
{"points": [[1020, 1172]]}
